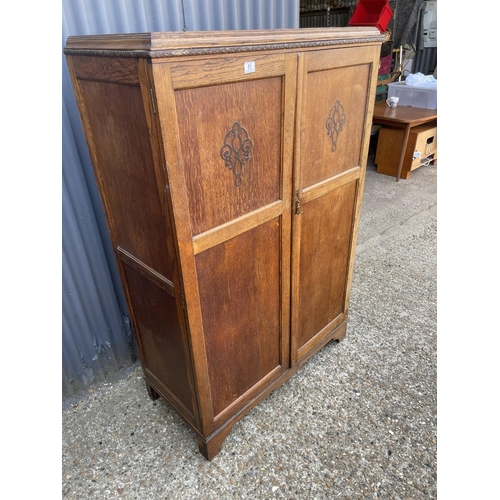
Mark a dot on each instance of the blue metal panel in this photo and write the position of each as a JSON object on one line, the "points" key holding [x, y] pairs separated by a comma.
{"points": [[242, 14], [425, 61], [97, 339], [96, 336]]}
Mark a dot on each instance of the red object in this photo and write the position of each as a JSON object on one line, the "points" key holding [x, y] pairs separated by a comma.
{"points": [[385, 65], [372, 13]]}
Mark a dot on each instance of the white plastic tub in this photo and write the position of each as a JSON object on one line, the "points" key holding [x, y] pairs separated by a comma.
{"points": [[418, 97]]}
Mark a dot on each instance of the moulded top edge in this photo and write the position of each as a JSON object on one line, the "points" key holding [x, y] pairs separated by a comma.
{"points": [[161, 44]]}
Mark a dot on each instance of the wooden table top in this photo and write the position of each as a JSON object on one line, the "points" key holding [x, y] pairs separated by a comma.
{"points": [[402, 114]]}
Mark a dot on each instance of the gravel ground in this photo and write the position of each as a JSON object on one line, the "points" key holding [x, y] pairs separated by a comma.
{"points": [[359, 420]]}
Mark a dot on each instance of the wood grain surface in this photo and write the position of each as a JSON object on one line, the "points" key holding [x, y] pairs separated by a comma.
{"points": [[231, 168]]}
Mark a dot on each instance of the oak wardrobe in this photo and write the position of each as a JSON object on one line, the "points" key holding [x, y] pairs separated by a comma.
{"points": [[230, 167]]}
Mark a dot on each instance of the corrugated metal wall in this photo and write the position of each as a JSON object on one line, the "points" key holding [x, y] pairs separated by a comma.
{"points": [[97, 340], [318, 13], [425, 61]]}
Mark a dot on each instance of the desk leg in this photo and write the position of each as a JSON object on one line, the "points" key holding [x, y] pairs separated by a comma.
{"points": [[403, 150]]}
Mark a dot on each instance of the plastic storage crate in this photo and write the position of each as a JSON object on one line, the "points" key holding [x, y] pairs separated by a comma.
{"points": [[372, 13], [418, 97]]}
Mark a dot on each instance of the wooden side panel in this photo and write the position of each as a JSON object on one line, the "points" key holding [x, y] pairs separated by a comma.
{"points": [[113, 97], [160, 337], [324, 258], [206, 118], [125, 165], [239, 284]]}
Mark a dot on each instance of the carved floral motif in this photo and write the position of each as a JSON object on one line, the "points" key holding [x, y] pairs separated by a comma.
{"points": [[236, 150], [335, 122]]}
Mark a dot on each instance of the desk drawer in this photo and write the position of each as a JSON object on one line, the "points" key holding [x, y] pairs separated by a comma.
{"points": [[420, 150]]}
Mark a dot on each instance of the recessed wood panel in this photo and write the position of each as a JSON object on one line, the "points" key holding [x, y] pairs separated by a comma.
{"points": [[334, 113], [159, 334], [230, 119], [324, 259], [123, 149], [239, 283]]}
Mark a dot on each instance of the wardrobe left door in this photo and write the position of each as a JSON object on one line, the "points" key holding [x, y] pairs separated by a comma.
{"points": [[228, 124]]}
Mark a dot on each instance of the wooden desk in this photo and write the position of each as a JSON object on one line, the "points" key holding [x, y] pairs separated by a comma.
{"points": [[405, 117]]}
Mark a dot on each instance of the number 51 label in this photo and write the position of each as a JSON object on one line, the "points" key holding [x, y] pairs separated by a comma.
{"points": [[249, 67]]}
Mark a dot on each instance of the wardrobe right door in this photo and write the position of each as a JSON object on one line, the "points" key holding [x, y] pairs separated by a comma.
{"points": [[336, 90]]}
